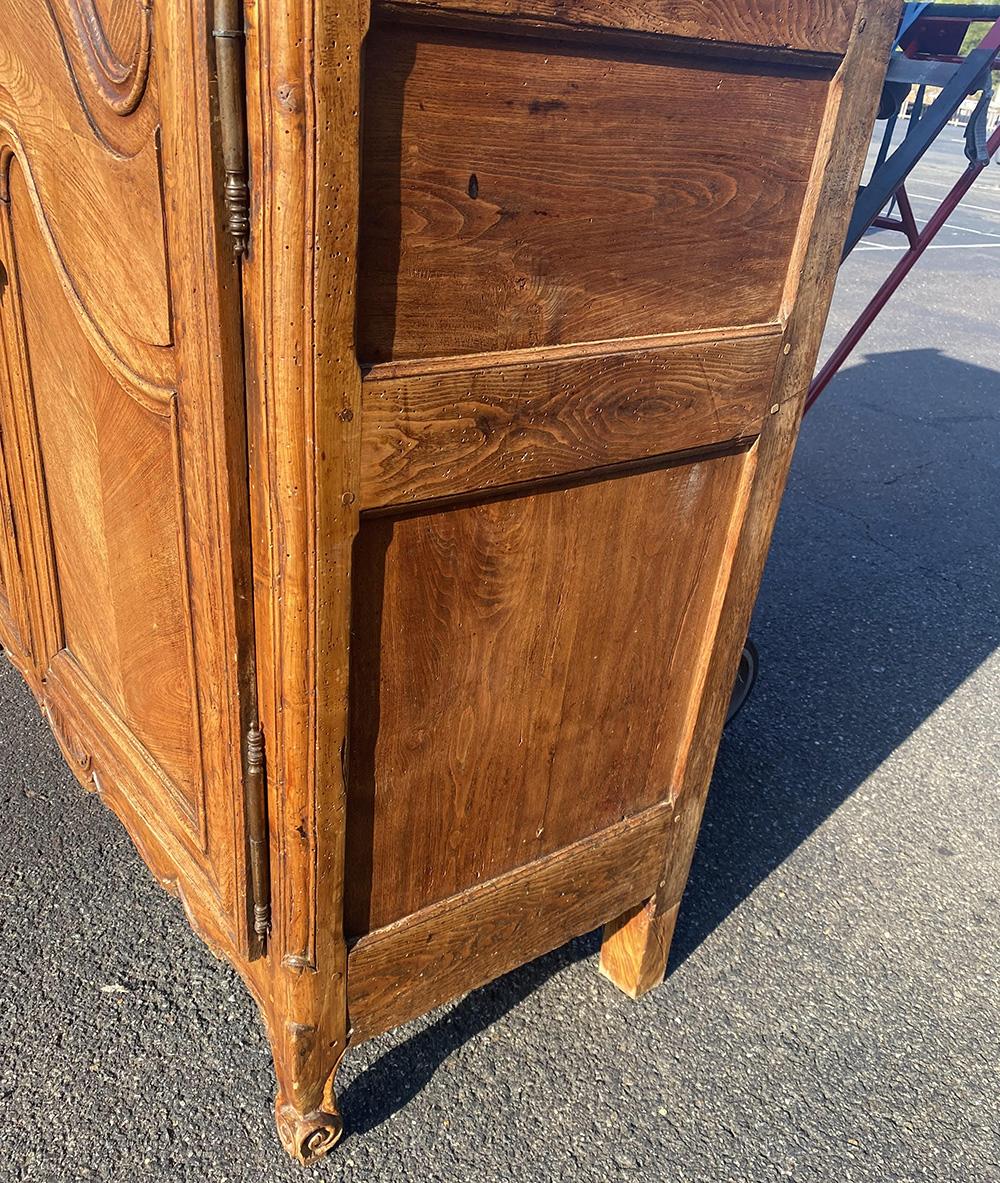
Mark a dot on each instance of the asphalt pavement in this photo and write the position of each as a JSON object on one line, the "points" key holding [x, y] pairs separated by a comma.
{"points": [[833, 1008]]}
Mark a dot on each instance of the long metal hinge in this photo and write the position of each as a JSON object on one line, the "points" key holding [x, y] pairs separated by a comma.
{"points": [[230, 37], [255, 780]]}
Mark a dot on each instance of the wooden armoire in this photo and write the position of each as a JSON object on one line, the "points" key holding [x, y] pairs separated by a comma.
{"points": [[395, 404]]}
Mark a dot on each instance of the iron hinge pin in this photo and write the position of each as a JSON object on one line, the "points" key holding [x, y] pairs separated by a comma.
{"points": [[230, 66]]}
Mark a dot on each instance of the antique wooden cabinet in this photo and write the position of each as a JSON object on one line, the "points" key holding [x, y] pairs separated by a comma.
{"points": [[395, 403]]}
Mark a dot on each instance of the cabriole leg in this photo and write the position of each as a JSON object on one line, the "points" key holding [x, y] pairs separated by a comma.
{"points": [[308, 1044]]}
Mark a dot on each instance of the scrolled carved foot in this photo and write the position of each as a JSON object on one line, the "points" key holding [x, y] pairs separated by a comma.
{"points": [[307, 1136]]}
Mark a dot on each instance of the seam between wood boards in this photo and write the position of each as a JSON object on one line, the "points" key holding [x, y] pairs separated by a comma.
{"points": [[378, 372], [565, 854]]}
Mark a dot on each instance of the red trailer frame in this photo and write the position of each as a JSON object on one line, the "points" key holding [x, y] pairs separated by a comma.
{"points": [[968, 75]]}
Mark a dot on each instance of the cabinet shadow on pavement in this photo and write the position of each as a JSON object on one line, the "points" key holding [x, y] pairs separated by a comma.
{"points": [[878, 602]]}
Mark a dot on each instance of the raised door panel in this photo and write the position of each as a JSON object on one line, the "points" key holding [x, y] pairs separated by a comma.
{"points": [[88, 120], [14, 634], [110, 454], [17, 585], [127, 392]]}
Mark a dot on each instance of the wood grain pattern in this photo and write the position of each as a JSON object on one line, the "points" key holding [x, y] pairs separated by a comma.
{"points": [[304, 77], [14, 627], [121, 570], [122, 393], [114, 44], [501, 420], [433, 955], [819, 26], [637, 945], [463, 614], [31, 569], [91, 168], [485, 605], [520, 194]]}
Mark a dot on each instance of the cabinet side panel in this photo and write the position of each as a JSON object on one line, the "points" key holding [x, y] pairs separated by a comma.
{"points": [[574, 262], [521, 673], [518, 193]]}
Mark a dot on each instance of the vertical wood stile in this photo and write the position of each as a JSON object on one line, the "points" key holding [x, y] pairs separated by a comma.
{"points": [[304, 62], [636, 945]]}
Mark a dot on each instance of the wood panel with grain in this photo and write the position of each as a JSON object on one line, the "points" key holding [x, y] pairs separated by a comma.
{"points": [[119, 551], [14, 634], [14, 626], [819, 26], [520, 674], [409, 968], [502, 419], [91, 167], [30, 540], [519, 194], [126, 382]]}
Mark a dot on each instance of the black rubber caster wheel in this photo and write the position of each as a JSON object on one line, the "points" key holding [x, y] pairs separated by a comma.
{"points": [[746, 676]]}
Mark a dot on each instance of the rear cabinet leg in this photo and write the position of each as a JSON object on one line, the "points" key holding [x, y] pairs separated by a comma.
{"points": [[636, 946]]}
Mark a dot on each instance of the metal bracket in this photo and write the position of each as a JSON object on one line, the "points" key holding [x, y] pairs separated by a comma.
{"points": [[972, 75], [977, 132]]}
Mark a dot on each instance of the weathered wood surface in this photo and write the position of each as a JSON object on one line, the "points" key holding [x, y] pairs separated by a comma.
{"points": [[816, 26], [519, 194], [487, 676], [304, 405], [460, 483], [496, 420], [637, 945], [121, 413], [410, 967]]}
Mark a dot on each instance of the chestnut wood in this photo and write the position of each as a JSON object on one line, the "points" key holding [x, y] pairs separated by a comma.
{"points": [[466, 615], [636, 946], [382, 552], [493, 420], [556, 212], [819, 27], [121, 408], [427, 957]]}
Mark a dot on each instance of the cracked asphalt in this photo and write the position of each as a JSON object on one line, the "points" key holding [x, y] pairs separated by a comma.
{"points": [[832, 1010]]}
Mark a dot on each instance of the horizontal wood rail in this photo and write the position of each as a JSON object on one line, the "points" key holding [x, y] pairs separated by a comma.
{"points": [[816, 34], [436, 429], [424, 960]]}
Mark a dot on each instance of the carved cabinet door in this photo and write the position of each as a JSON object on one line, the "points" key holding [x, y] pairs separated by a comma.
{"points": [[122, 474]]}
